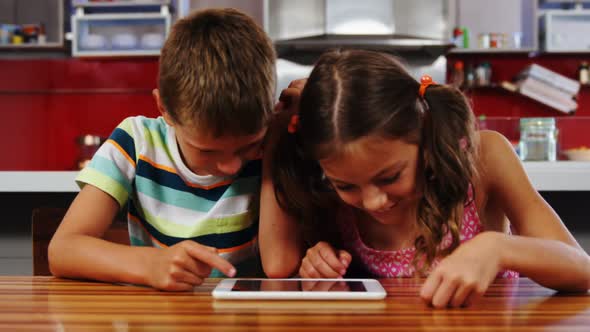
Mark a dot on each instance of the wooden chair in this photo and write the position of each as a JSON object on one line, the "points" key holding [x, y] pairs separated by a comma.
{"points": [[44, 224]]}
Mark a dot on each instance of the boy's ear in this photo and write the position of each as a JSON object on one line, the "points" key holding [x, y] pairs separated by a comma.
{"points": [[160, 106]]}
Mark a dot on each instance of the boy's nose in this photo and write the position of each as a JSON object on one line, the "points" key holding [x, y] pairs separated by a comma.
{"points": [[230, 166], [374, 198]]}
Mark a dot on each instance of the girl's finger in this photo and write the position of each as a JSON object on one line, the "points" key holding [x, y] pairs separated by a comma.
{"points": [[308, 271], [344, 257], [473, 297], [327, 264], [430, 286], [461, 295], [444, 293]]}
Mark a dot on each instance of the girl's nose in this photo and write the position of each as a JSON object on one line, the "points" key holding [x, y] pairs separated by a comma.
{"points": [[374, 198]]}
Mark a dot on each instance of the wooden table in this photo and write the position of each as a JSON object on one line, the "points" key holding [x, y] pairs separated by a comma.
{"points": [[50, 304]]}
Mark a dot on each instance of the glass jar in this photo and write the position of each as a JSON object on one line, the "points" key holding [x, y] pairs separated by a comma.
{"points": [[538, 139]]}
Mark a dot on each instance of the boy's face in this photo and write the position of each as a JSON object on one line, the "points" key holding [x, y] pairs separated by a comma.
{"points": [[220, 156], [205, 154]]}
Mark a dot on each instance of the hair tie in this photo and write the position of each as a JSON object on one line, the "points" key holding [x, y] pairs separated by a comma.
{"points": [[293, 124], [425, 82]]}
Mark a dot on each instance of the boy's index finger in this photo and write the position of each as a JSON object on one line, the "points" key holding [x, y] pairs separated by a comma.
{"points": [[211, 258]]}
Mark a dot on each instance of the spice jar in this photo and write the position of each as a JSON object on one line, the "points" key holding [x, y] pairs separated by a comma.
{"points": [[538, 139]]}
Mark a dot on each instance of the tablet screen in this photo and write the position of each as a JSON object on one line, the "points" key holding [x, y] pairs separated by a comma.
{"points": [[270, 285]]}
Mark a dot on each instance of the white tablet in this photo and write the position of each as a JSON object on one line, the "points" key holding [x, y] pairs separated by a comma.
{"points": [[299, 289]]}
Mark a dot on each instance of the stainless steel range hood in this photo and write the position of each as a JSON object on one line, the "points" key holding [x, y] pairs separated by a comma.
{"points": [[411, 29], [306, 49]]}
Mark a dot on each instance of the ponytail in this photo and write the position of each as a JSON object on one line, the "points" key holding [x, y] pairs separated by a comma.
{"points": [[448, 152]]}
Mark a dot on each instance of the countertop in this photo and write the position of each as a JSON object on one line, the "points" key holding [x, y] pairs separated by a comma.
{"points": [[546, 176]]}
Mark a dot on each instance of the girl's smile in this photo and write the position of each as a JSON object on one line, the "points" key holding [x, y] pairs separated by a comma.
{"points": [[376, 175]]}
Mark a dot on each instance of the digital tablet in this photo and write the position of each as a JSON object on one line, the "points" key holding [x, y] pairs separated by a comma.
{"points": [[299, 289]]}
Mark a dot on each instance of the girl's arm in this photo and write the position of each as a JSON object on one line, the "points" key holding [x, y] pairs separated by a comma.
{"points": [[279, 236], [545, 251]]}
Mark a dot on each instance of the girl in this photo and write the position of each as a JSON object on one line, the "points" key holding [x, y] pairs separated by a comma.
{"points": [[389, 178]]}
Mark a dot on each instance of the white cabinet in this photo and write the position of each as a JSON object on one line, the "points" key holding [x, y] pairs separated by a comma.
{"points": [[120, 28]]}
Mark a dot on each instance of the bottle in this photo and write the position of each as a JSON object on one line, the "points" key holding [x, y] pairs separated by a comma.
{"points": [[458, 37], [458, 75], [584, 73], [538, 139], [465, 37], [42, 38], [469, 77]]}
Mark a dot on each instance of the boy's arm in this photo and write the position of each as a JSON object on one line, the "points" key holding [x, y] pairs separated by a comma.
{"points": [[77, 251], [546, 251]]}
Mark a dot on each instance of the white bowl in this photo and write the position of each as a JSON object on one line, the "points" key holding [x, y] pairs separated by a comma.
{"points": [[152, 41], [93, 42], [124, 41], [578, 154]]}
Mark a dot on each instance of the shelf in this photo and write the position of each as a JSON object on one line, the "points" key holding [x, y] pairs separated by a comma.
{"points": [[545, 176], [127, 3], [46, 46], [493, 50]]}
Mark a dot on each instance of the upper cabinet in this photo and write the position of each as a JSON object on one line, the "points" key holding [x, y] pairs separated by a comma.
{"points": [[504, 26], [31, 24], [119, 28], [496, 26]]}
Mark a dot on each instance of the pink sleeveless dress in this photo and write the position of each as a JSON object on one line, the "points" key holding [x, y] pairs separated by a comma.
{"points": [[398, 263]]}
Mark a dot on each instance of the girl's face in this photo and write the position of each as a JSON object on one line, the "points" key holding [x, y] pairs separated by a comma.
{"points": [[377, 175]]}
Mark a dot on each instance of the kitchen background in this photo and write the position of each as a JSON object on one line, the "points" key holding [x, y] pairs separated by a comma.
{"points": [[72, 70]]}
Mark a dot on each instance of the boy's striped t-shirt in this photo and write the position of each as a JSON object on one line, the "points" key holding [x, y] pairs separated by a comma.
{"points": [[141, 167]]}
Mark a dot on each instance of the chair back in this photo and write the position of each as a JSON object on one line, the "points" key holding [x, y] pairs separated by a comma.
{"points": [[44, 224]]}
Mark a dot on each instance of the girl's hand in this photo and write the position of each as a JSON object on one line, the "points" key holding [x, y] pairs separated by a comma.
{"points": [[323, 261], [464, 276], [184, 265], [289, 98]]}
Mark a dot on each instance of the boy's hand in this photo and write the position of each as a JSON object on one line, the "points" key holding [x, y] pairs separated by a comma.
{"points": [[323, 261], [185, 265], [463, 277], [289, 98]]}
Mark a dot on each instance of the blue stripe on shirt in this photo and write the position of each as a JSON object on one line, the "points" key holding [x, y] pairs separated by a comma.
{"points": [[220, 241], [125, 141]]}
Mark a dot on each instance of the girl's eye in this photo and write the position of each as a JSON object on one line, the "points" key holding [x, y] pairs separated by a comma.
{"points": [[389, 180], [344, 187]]}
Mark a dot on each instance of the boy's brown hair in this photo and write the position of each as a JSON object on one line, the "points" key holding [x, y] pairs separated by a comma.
{"points": [[217, 73]]}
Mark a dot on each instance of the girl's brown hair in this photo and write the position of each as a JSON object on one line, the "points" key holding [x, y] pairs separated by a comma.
{"points": [[353, 94]]}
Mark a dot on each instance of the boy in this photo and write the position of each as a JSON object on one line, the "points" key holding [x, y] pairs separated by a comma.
{"points": [[189, 178]]}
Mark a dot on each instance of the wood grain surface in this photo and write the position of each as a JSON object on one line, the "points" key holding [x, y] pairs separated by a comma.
{"points": [[51, 304]]}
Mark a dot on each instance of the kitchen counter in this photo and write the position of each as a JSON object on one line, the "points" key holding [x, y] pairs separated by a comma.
{"points": [[546, 176]]}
